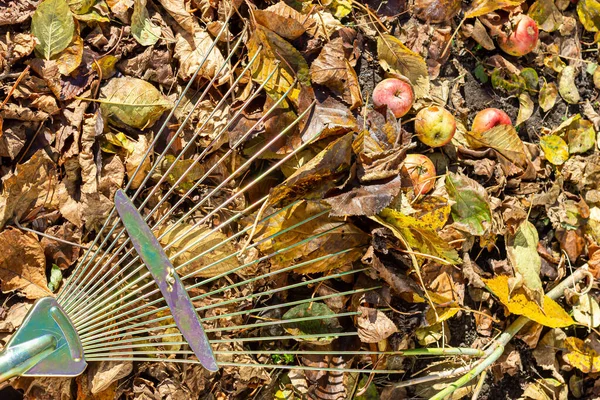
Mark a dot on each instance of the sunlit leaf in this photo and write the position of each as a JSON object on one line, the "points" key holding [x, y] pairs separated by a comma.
{"points": [[581, 355], [142, 28], [394, 56], [589, 14], [531, 78], [433, 211], [276, 54], [504, 140], [551, 314], [312, 327], [521, 249], [281, 19], [547, 16], [525, 108], [81, 6], [418, 234], [586, 311], [55, 278], [436, 11], [566, 85], [53, 26], [132, 102], [581, 136], [340, 8], [471, 210], [70, 58], [374, 326], [556, 150], [482, 7], [548, 95]]}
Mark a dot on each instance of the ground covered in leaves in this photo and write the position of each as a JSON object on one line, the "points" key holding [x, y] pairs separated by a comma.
{"points": [[511, 211]]}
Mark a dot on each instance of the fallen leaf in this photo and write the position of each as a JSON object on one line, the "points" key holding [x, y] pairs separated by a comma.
{"points": [[545, 352], [277, 55], [373, 325], [193, 55], [566, 85], [586, 311], [548, 95], [505, 142], [521, 249], [555, 149], [332, 69], [142, 28], [482, 7], [133, 160], [132, 102], [551, 314], [328, 117], [365, 200], [53, 26], [70, 58], [395, 57], [55, 278], [315, 178], [432, 210], [180, 11], [104, 373], [581, 355], [418, 234], [281, 19], [344, 242], [589, 14], [436, 11], [547, 16], [471, 210], [311, 327], [81, 6], [581, 136], [546, 389], [22, 265], [525, 108]]}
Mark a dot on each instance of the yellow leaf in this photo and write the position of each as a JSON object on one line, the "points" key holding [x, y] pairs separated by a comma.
{"points": [[505, 141], [481, 7], [433, 211], [589, 14], [581, 355], [555, 149], [394, 56], [552, 314]]}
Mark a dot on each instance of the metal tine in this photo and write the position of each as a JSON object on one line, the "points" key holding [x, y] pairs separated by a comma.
{"points": [[192, 188], [83, 326], [102, 341], [239, 193], [110, 220], [103, 334], [265, 366], [159, 160]]}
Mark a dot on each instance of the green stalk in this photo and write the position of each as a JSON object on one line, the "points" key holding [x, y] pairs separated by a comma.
{"points": [[496, 350]]}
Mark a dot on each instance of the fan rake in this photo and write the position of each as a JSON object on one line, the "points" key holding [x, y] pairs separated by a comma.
{"points": [[135, 295]]}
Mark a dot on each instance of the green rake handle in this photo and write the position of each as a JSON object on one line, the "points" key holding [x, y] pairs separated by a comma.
{"points": [[18, 359]]}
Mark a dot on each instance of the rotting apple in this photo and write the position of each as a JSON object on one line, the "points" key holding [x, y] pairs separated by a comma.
{"points": [[522, 38], [421, 171], [435, 126], [488, 118], [394, 93]]}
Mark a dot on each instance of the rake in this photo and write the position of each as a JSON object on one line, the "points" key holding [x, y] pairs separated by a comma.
{"points": [[131, 297]]}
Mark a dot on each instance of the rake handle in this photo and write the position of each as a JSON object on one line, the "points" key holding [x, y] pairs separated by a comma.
{"points": [[18, 359]]}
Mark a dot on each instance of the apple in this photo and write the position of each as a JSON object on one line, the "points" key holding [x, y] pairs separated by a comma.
{"points": [[394, 93], [435, 126], [421, 171], [489, 118], [522, 38]]}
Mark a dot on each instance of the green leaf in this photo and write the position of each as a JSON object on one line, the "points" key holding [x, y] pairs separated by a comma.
{"points": [[555, 149], [55, 278], [548, 96], [471, 210], [521, 249], [312, 327], [566, 85], [418, 234], [52, 24], [142, 28], [394, 56], [480, 74], [132, 102], [531, 78]]}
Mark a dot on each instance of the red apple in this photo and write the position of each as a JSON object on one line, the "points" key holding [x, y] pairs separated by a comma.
{"points": [[421, 171], [435, 126], [489, 118], [394, 93], [522, 38]]}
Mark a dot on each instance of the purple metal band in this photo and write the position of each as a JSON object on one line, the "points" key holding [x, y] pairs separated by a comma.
{"points": [[153, 255]]}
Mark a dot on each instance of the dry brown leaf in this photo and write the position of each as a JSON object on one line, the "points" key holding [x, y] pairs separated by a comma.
{"points": [[282, 19], [192, 50], [104, 373], [436, 11], [178, 9], [373, 325], [22, 265]]}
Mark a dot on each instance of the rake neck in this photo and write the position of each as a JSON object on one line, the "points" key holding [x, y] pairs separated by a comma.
{"points": [[16, 360]]}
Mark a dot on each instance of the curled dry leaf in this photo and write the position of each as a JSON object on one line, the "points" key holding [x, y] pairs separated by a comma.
{"points": [[373, 325], [525, 108], [22, 265], [133, 160], [505, 142], [586, 311], [282, 19], [132, 102], [436, 11], [53, 26]]}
